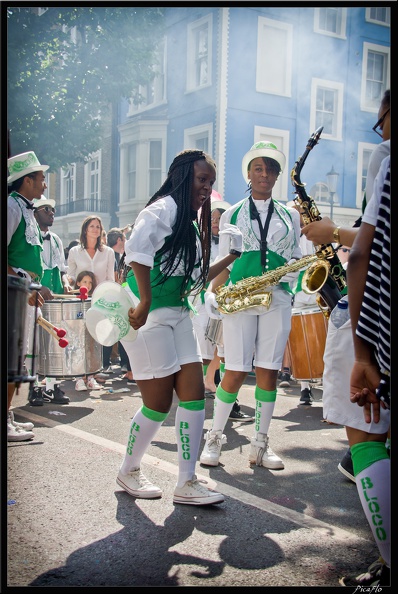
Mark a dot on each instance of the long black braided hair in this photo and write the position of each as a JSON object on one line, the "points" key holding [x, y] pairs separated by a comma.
{"points": [[181, 244]]}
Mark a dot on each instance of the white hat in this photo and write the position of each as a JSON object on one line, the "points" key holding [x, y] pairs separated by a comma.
{"points": [[43, 201], [219, 204], [23, 164], [107, 319], [264, 148]]}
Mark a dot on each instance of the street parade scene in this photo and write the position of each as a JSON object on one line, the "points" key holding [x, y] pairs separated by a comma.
{"points": [[197, 325]]}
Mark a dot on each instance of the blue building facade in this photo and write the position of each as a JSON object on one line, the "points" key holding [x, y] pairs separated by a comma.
{"points": [[230, 76]]}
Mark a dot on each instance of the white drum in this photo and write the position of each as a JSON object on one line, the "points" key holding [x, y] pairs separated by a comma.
{"points": [[214, 331]]}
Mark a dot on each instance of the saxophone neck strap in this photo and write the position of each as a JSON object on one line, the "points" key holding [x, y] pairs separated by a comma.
{"points": [[255, 215]]}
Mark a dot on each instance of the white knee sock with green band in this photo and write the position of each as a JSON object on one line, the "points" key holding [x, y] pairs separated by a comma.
{"points": [[372, 470], [223, 404], [265, 404], [190, 417], [144, 426]]}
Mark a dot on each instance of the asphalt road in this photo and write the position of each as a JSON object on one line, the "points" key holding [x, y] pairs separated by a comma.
{"points": [[69, 524]]}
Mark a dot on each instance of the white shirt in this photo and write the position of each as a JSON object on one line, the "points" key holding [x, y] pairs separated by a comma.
{"points": [[102, 265], [372, 207]]}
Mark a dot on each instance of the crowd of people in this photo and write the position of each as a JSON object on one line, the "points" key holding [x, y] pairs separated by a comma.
{"points": [[182, 249]]}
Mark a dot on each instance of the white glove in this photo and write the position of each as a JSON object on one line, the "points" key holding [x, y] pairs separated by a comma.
{"points": [[235, 236], [290, 277], [211, 306]]}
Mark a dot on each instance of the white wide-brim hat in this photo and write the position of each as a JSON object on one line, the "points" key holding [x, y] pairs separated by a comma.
{"points": [[43, 201], [264, 148], [22, 165], [107, 319], [215, 204]]}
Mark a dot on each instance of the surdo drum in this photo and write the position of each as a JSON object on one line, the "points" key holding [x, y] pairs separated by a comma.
{"points": [[82, 355], [18, 293], [213, 331], [306, 343]]}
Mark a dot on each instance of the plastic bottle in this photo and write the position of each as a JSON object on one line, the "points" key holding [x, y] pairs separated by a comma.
{"points": [[340, 313]]}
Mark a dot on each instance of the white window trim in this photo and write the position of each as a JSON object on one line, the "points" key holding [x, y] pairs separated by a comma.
{"points": [[336, 86], [342, 34], [362, 146], [63, 197], [376, 22], [261, 86], [159, 100], [374, 48], [190, 81], [281, 139], [191, 134], [87, 174]]}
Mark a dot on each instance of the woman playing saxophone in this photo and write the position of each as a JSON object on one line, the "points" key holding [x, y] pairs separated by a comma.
{"points": [[271, 238]]}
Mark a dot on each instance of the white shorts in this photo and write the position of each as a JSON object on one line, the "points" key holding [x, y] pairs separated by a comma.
{"points": [[339, 359], [259, 331], [166, 342], [200, 322]]}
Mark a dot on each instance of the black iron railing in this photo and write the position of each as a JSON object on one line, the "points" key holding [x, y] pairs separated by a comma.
{"points": [[84, 205]]}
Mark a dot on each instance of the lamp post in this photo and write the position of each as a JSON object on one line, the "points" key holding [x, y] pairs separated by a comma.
{"points": [[332, 178]]}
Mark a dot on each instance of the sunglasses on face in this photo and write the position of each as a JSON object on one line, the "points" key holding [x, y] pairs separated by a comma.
{"points": [[47, 209], [379, 123]]}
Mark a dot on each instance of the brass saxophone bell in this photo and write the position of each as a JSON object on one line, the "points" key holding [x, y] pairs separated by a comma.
{"points": [[315, 277]]}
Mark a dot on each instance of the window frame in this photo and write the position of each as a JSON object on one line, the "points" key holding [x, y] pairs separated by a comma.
{"points": [[343, 22], [316, 84], [362, 147], [264, 23], [192, 135], [192, 29], [369, 19], [89, 174], [366, 104]]}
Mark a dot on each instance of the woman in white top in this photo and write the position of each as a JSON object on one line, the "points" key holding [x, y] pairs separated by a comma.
{"points": [[91, 255]]}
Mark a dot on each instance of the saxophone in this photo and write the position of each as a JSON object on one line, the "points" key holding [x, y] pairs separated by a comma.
{"points": [[331, 289], [249, 292]]}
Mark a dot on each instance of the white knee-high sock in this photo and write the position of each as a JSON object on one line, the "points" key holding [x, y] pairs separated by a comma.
{"points": [[190, 417], [144, 426], [372, 469], [265, 404], [223, 404]]}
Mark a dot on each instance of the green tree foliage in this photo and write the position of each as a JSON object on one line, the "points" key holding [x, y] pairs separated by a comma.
{"points": [[66, 67]]}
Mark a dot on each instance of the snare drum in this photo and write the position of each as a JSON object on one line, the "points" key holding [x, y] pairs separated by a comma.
{"points": [[82, 355], [18, 294], [306, 343], [214, 331]]}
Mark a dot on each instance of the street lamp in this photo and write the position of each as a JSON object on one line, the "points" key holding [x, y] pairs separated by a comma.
{"points": [[332, 178]]}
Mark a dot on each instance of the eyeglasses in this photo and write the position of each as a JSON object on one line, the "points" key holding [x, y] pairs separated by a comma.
{"points": [[379, 123], [47, 209], [345, 250]]}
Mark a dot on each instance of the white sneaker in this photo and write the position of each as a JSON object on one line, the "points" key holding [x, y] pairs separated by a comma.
{"points": [[137, 485], [92, 384], [80, 385], [18, 434], [195, 493], [25, 426], [262, 455], [212, 450]]}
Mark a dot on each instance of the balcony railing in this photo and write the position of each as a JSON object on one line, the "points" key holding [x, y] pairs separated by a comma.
{"points": [[90, 205]]}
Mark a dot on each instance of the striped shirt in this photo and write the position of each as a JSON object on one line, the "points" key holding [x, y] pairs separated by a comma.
{"points": [[374, 319]]}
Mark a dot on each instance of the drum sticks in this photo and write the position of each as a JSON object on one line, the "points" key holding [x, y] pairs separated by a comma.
{"points": [[81, 293], [57, 333]]}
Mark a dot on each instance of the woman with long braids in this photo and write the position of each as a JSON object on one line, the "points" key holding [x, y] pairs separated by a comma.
{"points": [[169, 255]]}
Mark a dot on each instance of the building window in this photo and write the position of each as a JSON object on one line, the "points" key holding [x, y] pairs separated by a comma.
{"points": [[280, 138], [68, 184], [199, 52], [375, 75], [327, 108], [274, 57], [155, 166], [131, 171], [331, 21], [92, 180], [365, 149], [199, 137], [154, 92], [320, 193], [381, 15]]}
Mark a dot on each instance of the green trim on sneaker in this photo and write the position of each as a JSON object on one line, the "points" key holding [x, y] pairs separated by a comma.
{"points": [[193, 404], [225, 396], [153, 415], [264, 395], [367, 453]]}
